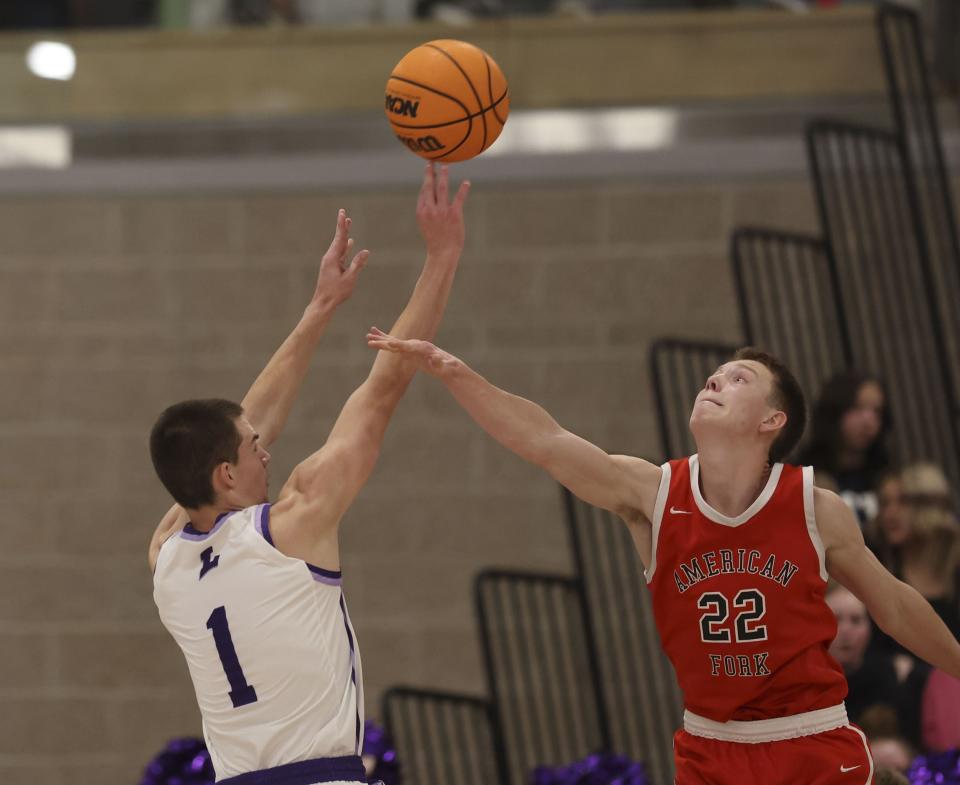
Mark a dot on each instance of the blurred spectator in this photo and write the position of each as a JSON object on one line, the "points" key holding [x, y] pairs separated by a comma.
{"points": [[872, 680], [917, 536], [886, 776], [35, 15], [353, 12], [444, 9], [878, 699], [57, 14], [463, 10], [891, 754], [260, 12], [206, 14], [880, 722], [941, 712], [848, 439], [108, 13]]}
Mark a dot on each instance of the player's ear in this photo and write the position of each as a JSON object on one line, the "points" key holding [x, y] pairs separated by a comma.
{"points": [[223, 478], [773, 422]]}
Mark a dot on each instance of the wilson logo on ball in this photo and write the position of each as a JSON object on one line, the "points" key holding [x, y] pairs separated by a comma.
{"points": [[402, 106], [423, 144], [459, 105]]}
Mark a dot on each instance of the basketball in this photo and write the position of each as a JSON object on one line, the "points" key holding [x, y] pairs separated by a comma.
{"points": [[447, 100]]}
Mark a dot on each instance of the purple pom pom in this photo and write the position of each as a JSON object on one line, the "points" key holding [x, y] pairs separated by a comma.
{"points": [[186, 761], [596, 769], [942, 768], [377, 744], [182, 762]]}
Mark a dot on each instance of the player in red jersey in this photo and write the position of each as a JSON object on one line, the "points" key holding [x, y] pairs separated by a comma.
{"points": [[737, 548]]}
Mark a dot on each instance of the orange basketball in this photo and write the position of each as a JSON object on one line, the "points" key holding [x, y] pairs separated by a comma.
{"points": [[447, 100]]}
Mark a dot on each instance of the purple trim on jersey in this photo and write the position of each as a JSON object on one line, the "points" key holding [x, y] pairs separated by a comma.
{"points": [[263, 523], [320, 575], [305, 772], [329, 577], [353, 664], [189, 533]]}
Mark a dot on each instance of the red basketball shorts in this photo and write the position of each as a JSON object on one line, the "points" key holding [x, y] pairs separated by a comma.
{"points": [[799, 750]]}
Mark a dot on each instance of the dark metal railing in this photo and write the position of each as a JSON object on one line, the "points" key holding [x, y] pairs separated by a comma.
{"points": [[789, 302], [541, 668], [915, 120], [640, 691], [870, 217], [443, 737]]}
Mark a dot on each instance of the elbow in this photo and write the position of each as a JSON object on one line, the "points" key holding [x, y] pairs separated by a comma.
{"points": [[889, 615]]}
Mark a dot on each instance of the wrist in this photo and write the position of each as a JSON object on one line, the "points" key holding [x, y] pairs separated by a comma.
{"points": [[319, 311], [447, 257], [451, 369]]}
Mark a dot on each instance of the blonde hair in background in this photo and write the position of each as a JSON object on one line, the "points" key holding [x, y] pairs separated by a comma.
{"points": [[933, 523]]}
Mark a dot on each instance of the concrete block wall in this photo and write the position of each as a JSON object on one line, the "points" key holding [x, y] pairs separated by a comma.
{"points": [[112, 308]]}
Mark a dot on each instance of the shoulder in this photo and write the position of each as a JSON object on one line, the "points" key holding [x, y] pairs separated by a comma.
{"points": [[835, 519], [170, 524], [161, 555], [828, 503], [643, 479], [641, 470], [304, 527]]}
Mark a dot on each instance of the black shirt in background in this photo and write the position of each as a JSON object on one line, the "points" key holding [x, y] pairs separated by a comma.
{"points": [[858, 489]]}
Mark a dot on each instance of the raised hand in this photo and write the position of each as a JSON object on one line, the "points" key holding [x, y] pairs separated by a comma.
{"points": [[427, 357], [336, 280], [439, 219]]}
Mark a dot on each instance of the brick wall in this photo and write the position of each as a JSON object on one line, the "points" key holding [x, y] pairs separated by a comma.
{"points": [[106, 316]]}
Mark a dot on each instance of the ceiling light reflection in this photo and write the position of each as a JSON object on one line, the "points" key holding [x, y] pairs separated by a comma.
{"points": [[568, 131], [52, 60]]}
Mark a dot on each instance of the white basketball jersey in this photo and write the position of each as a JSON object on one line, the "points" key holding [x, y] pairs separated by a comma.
{"points": [[269, 644]]}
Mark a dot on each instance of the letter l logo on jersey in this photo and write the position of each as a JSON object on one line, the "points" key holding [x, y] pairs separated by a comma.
{"points": [[208, 563]]}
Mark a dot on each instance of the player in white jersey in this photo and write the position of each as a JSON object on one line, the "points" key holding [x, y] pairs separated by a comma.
{"points": [[251, 590]]}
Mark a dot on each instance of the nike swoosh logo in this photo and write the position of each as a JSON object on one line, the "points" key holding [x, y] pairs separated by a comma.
{"points": [[675, 511], [845, 769]]}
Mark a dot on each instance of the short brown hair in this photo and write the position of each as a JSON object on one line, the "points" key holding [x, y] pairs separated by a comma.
{"points": [[188, 441], [787, 396]]}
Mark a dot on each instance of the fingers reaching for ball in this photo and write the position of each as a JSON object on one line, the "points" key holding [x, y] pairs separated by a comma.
{"points": [[337, 279], [443, 188], [440, 220], [376, 336], [378, 339], [461, 196], [341, 235], [435, 188], [358, 263], [424, 354], [428, 194]]}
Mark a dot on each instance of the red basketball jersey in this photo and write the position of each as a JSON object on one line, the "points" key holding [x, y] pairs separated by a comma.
{"points": [[739, 602]]}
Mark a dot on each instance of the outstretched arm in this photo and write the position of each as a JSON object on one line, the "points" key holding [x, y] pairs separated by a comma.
{"points": [[623, 484], [898, 609], [323, 486], [268, 402]]}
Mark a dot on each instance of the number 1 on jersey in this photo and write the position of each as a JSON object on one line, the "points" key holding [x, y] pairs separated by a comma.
{"points": [[241, 693]]}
